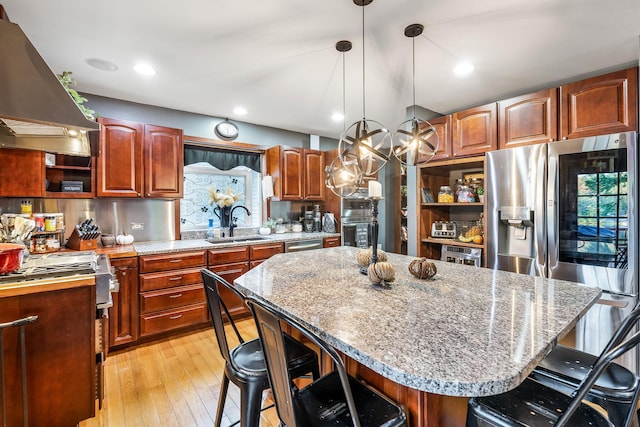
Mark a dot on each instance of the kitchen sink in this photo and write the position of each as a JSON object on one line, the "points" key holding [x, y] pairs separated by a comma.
{"points": [[237, 239]]}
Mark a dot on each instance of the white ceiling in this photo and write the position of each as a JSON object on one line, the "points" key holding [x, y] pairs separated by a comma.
{"points": [[277, 58]]}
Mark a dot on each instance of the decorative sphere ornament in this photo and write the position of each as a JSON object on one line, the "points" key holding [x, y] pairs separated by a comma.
{"points": [[422, 268], [381, 273]]}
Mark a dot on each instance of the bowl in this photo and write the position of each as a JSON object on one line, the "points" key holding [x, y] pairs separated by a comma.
{"points": [[11, 255], [108, 240]]}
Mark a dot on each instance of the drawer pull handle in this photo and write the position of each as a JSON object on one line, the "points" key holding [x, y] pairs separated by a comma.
{"points": [[175, 317], [176, 278], [175, 296], [176, 260]]}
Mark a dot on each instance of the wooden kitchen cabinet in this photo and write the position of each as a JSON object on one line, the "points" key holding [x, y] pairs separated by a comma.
{"points": [[600, 105], [331, 242], [298, 173], [22, 174], [528, 119], [432, 176], [259, 253], [442, 125], [120, 161], [60, 355], [139, 160], [171, 292], [123, 315], [231, 263], [475, 130]]}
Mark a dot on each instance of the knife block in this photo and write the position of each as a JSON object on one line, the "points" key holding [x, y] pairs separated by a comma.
{"points": [[79, 244]]}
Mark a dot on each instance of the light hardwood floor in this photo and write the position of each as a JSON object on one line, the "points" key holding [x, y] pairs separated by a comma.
{"points": [[173, 382]]}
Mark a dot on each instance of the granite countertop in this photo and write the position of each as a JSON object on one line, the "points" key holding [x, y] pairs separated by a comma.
{"points": [[168, 246], [467, 332]]}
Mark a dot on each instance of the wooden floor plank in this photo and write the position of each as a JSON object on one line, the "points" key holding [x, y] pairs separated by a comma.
{"points": [[171, 382]]}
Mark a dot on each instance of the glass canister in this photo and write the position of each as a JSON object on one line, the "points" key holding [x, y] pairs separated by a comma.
{"points": [[445, 195], [465, 195], [456, 187]]}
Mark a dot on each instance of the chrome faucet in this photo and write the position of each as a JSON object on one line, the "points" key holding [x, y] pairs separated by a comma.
{"points": [[232, 219]]}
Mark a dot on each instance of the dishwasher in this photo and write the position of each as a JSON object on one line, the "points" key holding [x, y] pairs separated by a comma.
{"points": [[303, 245]]}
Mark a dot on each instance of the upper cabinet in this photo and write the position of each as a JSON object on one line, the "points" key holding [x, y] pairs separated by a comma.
{"points": [[138, 160], [22, 174], [475, 131], [442, 125], [528, 119], [298, 173], [599, 105]]}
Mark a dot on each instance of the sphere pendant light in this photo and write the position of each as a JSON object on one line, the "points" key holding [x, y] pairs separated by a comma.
{"points": [[415, 141], [344, 174], [366, 141]]}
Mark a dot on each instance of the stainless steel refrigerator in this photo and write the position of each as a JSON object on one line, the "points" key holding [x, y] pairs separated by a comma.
{"points": [[568, 210]]}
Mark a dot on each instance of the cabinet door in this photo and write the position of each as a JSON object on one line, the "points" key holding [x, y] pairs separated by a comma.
{"points": [[163, 162], [291, 162], [474, 130], [22, 173], [313, 172], [230, 272], [120, 159], [123, 316], [330, 242], [442, 126], [528, 119], [600, 105]]}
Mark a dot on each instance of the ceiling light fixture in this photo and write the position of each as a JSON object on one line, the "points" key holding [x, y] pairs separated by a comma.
{"points": [[463, 68], [415, 141], [344, 174], [241, 111], [144, 69], [367, 141], [101, 64]]}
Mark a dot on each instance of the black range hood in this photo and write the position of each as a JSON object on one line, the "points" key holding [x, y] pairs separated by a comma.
{"points": [[36, 111]]}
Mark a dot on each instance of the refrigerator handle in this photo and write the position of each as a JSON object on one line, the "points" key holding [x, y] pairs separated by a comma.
{"points": [[541, 213], [552, 213]]}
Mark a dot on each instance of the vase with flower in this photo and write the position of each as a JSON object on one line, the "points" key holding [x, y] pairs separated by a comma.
{"points": [[223, 203]]}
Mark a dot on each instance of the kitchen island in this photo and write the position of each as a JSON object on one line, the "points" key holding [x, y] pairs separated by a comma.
{"points": [[428, 344]]}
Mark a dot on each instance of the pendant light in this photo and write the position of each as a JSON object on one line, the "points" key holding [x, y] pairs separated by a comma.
{"points": [[366, 141], [344, 174], [415, 141]]}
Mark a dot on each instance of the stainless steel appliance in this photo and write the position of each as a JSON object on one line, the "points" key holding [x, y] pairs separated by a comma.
{"points": [[462, 255], [568, 210], [356, 217], [302, 245], [443, 229]]}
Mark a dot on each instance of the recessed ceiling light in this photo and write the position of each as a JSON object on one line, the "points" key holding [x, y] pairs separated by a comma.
{"points": [[337, 117], [463, 68], [144, 69], [101, 64], [241, 111]]}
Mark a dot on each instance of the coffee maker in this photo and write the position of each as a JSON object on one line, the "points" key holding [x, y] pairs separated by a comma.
{"points": [[308, 221]]}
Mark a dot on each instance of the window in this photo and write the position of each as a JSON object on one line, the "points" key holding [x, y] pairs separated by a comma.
{"points": [[195, 206], [602, 215]]}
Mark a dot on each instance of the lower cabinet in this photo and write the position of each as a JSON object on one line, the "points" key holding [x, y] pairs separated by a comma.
{"points": [[171, 292], [230, 263], [60, 357], [123, 315], [331, 242]]}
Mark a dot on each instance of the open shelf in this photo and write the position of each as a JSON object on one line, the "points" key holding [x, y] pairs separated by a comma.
{"points": [[455, 242]]}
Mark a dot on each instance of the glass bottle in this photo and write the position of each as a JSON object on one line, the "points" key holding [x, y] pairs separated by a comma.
{"points": [[210, 232]]}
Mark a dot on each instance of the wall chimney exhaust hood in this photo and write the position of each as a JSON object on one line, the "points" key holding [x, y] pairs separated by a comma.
{"points": [[36, 112]]}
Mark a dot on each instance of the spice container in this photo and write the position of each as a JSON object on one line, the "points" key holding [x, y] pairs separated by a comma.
{"points": [[445, 195], [465, 195], [50, 223]]}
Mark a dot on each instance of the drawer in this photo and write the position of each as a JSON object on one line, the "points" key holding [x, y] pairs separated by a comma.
{"points": [[173, 319], [154, 281], [331, 242], [172, 261], [259, 252], [228, 255], [166, 299]]}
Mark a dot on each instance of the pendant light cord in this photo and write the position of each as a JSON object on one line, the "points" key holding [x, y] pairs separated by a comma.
{"points": [[363, 79], [344, 102], [413, 76]]}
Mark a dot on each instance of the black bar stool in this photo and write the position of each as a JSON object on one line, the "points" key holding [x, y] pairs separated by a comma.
{"points": [[245, 365], [336, 399]]}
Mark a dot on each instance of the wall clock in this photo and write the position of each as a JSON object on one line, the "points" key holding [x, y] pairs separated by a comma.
{"points": [[226, 130]]}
